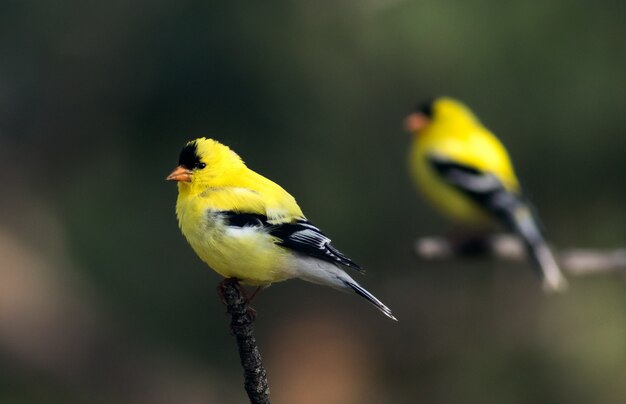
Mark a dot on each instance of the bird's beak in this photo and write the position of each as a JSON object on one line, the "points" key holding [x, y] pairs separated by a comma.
{"points": [[415, 122], [180, 173]]}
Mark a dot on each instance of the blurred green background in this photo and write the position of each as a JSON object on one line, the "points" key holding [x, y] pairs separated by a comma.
{"points": [[102, 300]]}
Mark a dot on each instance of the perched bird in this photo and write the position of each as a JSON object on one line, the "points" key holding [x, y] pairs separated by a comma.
{"points": [[466, 173], [247, 227]]}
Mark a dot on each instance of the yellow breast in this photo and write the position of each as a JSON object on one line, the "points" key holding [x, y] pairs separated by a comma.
{"points": [[244, 253], [472, 146]]}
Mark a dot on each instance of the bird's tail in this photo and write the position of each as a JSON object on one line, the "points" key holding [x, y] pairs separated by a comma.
{"points": [[313, 270], [522, 220], [359, 290]]}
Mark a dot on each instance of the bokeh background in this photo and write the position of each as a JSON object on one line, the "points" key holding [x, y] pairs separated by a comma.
{"points": [[102, 300]]}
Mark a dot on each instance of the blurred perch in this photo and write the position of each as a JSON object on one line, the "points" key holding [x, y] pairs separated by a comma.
{"points": [[575, 261], [242, 326]]}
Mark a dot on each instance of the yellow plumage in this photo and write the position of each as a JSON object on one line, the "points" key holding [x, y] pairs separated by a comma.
{"points": [[247, 227], [456, 134], [226, 184], [466, 173]]}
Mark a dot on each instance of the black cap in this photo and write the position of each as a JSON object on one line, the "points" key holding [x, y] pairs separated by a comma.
{"points": [[425, 107], [189, 156]]}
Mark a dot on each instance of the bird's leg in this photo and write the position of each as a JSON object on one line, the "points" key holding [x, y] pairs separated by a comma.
{"points": [[256, 291], [222, 286], [235, 282], [252, 311], [470, 242]]}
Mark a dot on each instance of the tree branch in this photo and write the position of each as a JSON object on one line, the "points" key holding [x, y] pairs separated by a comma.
{"points": [[242, 326], [575, 261]]}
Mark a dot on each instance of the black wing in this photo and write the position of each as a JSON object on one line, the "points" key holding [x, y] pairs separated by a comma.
{"points": [[468, 179], [515, 211], [483, 187], [236, 219], [304, 237], [300, 236]]}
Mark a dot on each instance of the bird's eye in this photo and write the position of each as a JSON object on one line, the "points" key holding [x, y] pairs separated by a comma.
{"points": [[200, 165]]}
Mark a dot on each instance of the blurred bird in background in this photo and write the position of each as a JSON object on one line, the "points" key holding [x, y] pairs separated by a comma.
{"points": [[466, 173], [247, 227]]}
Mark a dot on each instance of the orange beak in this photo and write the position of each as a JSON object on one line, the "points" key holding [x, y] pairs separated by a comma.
{"points": [[415, 122], [180, 173]]}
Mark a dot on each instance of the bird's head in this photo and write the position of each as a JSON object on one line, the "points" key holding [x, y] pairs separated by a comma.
{"points": [[204, 163], [440, 110]]}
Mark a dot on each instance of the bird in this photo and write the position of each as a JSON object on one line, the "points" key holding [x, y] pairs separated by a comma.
{"points": [[466, 173], [247, 227]]}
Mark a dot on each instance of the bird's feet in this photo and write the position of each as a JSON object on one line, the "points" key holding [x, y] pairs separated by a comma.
{"points": [[469, 243], [221, 290]]}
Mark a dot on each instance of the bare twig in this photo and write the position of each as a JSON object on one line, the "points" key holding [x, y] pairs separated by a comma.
{"points": [[575, 261], [242, 326]]}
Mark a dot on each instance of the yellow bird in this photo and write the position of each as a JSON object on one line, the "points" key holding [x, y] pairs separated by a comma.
{"points": [[466, 173], [247, 227]]}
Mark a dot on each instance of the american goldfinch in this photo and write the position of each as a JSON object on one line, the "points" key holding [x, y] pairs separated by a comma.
{"points": [[466, 173], [247, 227]]}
